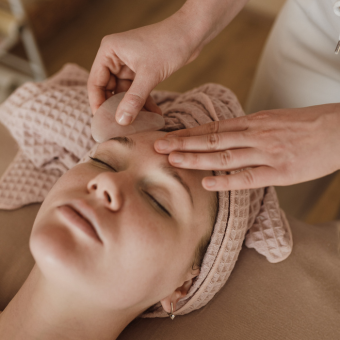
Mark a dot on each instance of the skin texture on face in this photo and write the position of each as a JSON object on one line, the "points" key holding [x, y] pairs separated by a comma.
{"points": [[149, 218]]}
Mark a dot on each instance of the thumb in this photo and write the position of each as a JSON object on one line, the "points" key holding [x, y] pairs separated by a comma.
{"points": [[134, 99]]}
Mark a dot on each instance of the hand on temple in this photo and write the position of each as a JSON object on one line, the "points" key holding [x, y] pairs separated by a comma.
{"points": [[276, 147]]}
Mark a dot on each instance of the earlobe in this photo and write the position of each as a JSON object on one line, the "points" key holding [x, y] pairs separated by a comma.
{"points": [[178, 294]]}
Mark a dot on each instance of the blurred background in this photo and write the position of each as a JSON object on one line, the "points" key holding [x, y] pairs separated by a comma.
{"points": [[37, 37], [71, 31]]}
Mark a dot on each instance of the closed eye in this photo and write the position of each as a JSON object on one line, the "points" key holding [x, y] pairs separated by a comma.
{"points": [[100, 161], [160, 206], [157, 203]]}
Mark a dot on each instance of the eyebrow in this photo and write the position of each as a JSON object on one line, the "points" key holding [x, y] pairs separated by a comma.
{"points": [[168, 169], [124, 141]]}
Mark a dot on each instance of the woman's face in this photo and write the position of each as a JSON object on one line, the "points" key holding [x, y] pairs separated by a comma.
{"points": [[147, 220]]}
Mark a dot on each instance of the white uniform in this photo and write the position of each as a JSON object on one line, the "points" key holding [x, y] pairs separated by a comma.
{"points": [[299, 68]]}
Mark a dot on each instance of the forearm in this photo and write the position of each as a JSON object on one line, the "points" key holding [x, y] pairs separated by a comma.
{"points": [[203, 20]]}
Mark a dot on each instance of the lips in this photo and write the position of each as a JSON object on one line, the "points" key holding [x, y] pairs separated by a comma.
{"points": [[82, 216]]}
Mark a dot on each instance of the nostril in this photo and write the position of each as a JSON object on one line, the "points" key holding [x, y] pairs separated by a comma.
{"points": [[94, 186], [107, 196]]}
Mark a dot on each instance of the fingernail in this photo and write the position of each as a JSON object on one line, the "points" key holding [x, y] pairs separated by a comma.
{"points": [[177, 158], [162, 144], [210, 182], [125, 119]]}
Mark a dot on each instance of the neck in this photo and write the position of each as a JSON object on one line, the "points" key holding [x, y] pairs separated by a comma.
{"points": [[41, 310]]}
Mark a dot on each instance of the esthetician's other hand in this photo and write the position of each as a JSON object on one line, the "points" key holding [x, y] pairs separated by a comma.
{"points": [[143, 57], [136, 61], [281, 147]]}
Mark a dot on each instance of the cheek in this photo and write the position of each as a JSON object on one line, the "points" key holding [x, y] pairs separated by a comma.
{"points": [[60, 252], [69, 260], [58, 244], [73, 184], [144, 241], [144, 257]]}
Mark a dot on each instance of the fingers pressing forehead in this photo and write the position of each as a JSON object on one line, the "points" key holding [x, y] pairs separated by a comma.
{"points": [[228, 125], [204, 143], [226, 160]]}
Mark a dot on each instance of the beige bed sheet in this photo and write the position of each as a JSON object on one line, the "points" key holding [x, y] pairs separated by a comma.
{"points": [[298, 298]]}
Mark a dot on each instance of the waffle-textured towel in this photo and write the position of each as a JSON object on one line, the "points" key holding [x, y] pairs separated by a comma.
{"points": [[51, 123]]}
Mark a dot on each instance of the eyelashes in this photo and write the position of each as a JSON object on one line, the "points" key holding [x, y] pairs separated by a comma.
{"points": [[155, 202], [100, 161]]}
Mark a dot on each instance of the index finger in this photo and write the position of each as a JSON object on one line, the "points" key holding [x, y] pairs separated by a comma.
{"points": [[227, 125], [96, 85]]}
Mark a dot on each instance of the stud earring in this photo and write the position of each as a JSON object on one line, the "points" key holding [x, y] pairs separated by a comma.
{"points": [[171, 314]]}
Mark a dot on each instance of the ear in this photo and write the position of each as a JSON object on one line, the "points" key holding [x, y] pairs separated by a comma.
{"points": [[179, 293]]}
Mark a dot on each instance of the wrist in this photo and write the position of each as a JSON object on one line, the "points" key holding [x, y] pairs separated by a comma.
{"points": [[203, 20], [192, 33]]}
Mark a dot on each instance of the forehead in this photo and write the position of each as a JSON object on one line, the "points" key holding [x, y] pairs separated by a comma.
{"points": [[145, 157], [137, 149], [141, 141], [147, 138]]}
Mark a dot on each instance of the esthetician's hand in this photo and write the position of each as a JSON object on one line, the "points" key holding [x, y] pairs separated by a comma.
{"points": [[281, 147], [136, 61], [143, 57]]}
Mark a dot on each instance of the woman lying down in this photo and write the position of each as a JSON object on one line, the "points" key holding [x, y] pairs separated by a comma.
{"points": [[121, 233]]}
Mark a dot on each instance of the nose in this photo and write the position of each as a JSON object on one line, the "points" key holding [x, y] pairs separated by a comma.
{"points": [[106, 188]]}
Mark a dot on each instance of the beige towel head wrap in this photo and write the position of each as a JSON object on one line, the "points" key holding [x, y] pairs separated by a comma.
{"points": [[51, 124]]}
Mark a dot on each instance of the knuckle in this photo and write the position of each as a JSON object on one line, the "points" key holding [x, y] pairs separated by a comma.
{"points": [[195, 160], [104, 40], [135, 101], [273, 145], [181, 144], [244, 120], [223, 183], [248, 178], [213, 127], [284, 168], [284, 165], [277, 149], [260, 115], [213, 141], [225, 158]]}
